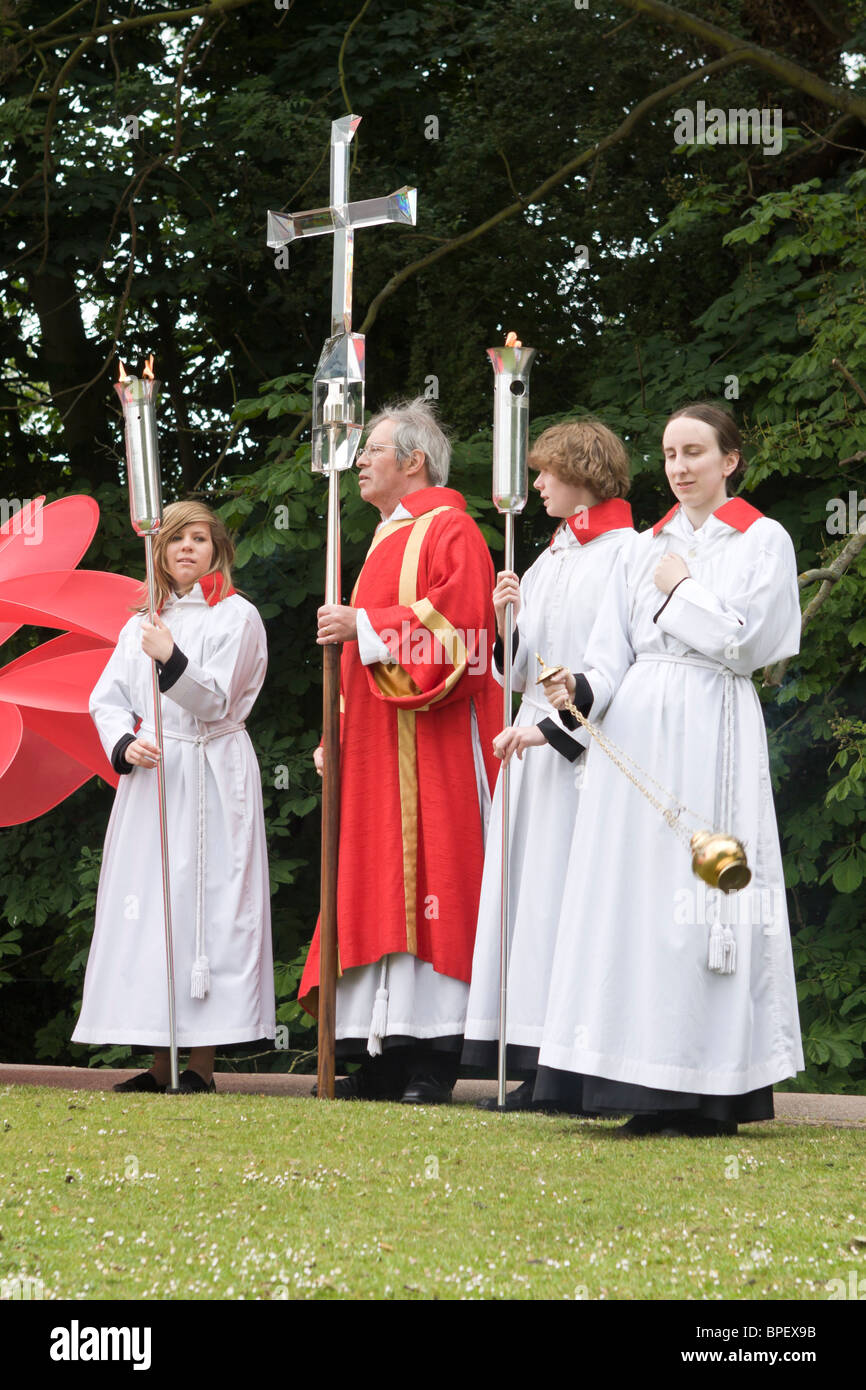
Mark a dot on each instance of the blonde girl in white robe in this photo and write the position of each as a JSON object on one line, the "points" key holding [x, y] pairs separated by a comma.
{"points": [[210, 645], [668, 999]]}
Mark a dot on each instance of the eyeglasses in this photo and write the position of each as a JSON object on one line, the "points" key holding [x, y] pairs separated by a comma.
{"points": [[373, 451]]}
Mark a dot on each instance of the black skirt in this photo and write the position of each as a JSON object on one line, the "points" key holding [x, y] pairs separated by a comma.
{"points": [[598, 1096], [520, 1061], [355, 1049]]}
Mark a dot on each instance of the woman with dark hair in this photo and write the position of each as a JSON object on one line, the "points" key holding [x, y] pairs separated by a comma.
{"points": [[668, 999], [209, 644]]}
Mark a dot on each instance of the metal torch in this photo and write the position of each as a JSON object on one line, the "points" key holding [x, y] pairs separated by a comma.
{"points": [[138, 398], [511, 367]]}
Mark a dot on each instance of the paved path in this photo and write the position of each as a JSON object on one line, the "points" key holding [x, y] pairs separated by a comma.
{"points": [[846, 1112]]}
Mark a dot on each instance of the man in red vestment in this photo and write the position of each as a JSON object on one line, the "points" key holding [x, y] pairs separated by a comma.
{"points": [[420, 711]]}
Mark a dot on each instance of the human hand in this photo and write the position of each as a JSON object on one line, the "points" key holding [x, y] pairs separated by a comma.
{"points": [[669, 571], [560, 689], [319, 760], [156, 639], [514, 740], [507, 591], [337, 623], [140, 753]]}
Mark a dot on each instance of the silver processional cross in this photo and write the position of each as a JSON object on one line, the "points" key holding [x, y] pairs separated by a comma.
{"points": [[338, 419], [338, 385]]}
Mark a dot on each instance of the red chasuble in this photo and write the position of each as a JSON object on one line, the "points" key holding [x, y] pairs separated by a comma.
{"points": [[411, 844]]}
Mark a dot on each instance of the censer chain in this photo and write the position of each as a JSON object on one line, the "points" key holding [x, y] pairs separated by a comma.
{"points": [[670, 813]]}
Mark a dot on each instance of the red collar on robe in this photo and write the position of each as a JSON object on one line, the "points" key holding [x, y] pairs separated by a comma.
{"points": [[213, 588], [736, 513], [426, 498], [612, 515]]}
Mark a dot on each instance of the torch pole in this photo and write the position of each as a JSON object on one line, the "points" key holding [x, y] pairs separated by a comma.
{"points": [[508, 645], [511, 366], [330, 807], [138, 400], [174, 1086]]}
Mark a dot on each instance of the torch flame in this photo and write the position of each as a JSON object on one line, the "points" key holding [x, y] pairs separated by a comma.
{"points": [[121, 376], [147, 374], [512, 340]]}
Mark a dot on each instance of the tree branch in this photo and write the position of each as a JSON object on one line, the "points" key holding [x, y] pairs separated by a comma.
{"points": [[539, 193], [838, 98], [52, 23], [214, 7], [341, 55], [56, 89], [134, 188], [843, 371], [829, 576]]}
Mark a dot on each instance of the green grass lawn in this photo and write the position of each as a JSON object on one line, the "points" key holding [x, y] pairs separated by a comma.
{"points": [[230, 1197]]}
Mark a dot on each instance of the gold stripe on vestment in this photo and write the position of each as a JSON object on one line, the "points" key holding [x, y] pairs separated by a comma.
{"points": [[407, 766], [381, 535], [394, 680], [450, 639]]}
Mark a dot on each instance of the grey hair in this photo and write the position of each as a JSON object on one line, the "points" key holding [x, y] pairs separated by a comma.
{"points": [[416, 427]]}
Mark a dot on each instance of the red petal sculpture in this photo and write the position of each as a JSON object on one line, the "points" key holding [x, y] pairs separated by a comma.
{"points": [[48, 743], [11, 734]]}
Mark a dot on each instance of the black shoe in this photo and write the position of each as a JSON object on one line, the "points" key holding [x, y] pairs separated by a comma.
{"points": [[696, 1127], [192, 1084], [426, 1090], [145, 1081], [365, 1084], [639, 1125], [518, 1099], [674, 1124]]}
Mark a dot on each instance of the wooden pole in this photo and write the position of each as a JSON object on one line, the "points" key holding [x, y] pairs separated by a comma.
{"points": [[330, 848]]}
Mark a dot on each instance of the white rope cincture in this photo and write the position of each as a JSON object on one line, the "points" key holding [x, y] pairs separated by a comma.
{"points": [[722, 944], [200, 976], [379, 1021]]}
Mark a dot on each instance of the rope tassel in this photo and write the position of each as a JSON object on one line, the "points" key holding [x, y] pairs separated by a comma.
{"points": [[722, 948], [716, 949], [379, 1022], [200, 979]]}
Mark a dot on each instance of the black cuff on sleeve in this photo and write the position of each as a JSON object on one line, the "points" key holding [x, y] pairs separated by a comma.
{"points": [[171, 670], [657, 615], [499, 648], [118, 761], [582, 700], [560, 740]]}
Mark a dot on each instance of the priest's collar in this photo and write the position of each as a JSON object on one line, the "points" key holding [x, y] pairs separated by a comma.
{"points": [[426, 498], [415, 504], [736, 513], [590, 522]]}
